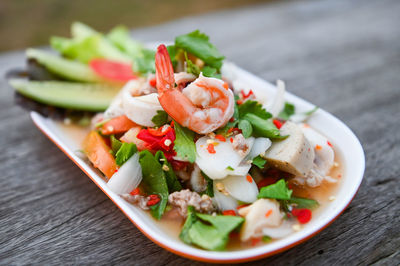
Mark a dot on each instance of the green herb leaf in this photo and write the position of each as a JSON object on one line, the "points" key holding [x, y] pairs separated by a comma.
{"points": [[210, 188], [191, 67], [184, 143], [198, 44], [259, 162], [308, 113], [210, 72], [145, 63], [230, 168], [210, 232], [246, 128], [125, 152], [154, 181], [190, 219], [266, 239], [160, 119], [279, 190], [263, 128], [253, 107], [303, 203], [172, 180], [287, 111], [115, 144]]}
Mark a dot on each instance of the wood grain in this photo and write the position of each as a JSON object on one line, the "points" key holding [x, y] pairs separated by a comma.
{"points": [[341, 55]]}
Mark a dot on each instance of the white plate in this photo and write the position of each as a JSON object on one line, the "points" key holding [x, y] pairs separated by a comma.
{"points": [[340, 135]]}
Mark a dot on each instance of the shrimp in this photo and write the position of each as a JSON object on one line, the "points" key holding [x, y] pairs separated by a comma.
{"points": [[203, 106]]}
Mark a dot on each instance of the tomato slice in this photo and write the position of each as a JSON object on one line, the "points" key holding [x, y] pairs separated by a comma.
{"points": [[112, 70]]}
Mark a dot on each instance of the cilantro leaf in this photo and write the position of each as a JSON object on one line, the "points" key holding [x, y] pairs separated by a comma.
{"points": [[124, 153], [263, 128], [259, 162], [172, 180], [115, 144], [279, 190], [266, 239], [184, 143], [145, 63], [287, 111], [154, 181], [246, 128], [198, 44], [253, 107], [161, 118]]}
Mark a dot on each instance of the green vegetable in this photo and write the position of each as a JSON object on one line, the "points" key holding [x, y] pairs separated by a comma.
{"points": [[210, 188], [287, 111], [279, 190], [87, 44], [120, 37], [160, 119], [263, 128], [210, 72], [266, 239], [191, 67], [207, 231], [70, 95], [198, 44], [184, 143], [154, 181], [259, 162], [303, 203], [172, 180], [64, 68], [254, 108], [146, 62], [246, 128], [124, 153], [308, 113], [115, 144], [190, 219], [230, 168]]}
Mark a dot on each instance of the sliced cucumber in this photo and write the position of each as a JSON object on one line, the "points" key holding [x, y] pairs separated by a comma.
{"points": [[70, 95], [65, 68]]}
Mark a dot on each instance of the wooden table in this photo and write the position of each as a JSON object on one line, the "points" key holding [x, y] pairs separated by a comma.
{"points": [[341, 55]]}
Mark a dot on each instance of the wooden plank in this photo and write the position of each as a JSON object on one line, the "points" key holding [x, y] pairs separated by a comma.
{"points": [[341, 55]]}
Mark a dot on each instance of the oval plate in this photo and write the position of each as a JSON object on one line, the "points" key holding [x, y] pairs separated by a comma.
{"points": [[343, 139]]}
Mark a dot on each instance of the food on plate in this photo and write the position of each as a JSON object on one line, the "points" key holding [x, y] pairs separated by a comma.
{"points": [[180, 137]]}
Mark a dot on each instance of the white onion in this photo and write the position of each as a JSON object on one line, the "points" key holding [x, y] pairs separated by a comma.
{"points": [[277, 104], [139, 109], [222, 201], [259, 147], [215, 164], [240, 188], [128, 176]]}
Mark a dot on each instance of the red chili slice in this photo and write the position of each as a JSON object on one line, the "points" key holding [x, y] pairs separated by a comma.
{"points": [[153, 200], [302, 215], [134, 192], [277, 123], [229, 212], [112, 70], [220, 138]]}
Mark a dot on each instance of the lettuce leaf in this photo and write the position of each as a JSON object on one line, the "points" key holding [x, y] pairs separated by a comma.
{"points": [[124, 153], [184, 143]]}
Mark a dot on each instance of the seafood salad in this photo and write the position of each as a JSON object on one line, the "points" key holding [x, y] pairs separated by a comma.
{"points": [[181, 138]]}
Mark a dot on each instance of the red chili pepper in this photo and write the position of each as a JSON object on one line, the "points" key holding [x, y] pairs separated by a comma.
{"points": [[229, 212], [302, 215], [277, 123], [234, 129], [249, 179], [330, 144], [210, 148], [266, 182], [220, 138], [239, 102], [112, 70], [153, 82], [242, 206], [231, 140], [245, 96], [153, 200], [255, 241], [134, 192]]}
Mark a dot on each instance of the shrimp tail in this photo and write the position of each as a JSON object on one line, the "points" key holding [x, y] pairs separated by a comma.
{"points": [[164, 70]]}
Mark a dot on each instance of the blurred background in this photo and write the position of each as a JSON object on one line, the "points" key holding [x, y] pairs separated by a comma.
{"points": [[34, 21]]}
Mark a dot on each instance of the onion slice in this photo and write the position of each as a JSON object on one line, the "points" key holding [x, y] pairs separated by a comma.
{"points": [[242, 188], [223, 202], [128, 176]]}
